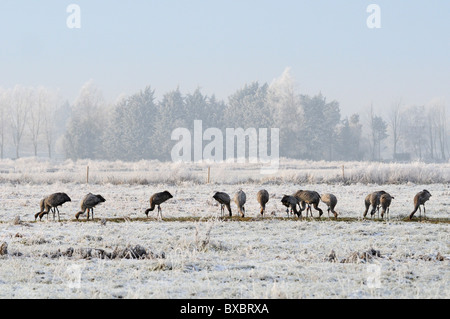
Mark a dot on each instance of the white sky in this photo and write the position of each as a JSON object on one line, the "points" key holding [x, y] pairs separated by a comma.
{"points": [[220, 45]]}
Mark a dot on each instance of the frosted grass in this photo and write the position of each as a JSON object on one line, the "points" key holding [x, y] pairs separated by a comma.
{"points": [[42, 171]]}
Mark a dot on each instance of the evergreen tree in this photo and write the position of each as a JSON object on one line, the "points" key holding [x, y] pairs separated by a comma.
{"points": [[130, 130], [171, 113], [379, 133], [318, 126], [247, 107], [83, 137], [204, 108], [348, 139]]}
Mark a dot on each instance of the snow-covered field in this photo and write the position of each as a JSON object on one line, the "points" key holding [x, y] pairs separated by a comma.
{"points": [[274, 257]]}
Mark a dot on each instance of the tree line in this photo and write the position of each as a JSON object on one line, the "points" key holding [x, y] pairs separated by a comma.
{"points": [[138, 126]]}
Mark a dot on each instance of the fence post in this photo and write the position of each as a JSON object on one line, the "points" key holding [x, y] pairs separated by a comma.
{"points": [[87, 174], [209, 174]]}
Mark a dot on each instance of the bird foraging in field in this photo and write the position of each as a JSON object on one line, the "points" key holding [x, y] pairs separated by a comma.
{"points": [[420, 199], [263, 197], [52, 202], [310, 198], [291, 202], [224, 201], [88, 203], [330, 200], [240, 198], [385, 202], [156, 200], [374, 200]]}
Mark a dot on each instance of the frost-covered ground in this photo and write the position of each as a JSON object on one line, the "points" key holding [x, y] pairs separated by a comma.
{"points": [[195, 200], [212, 258], [260, 259]]}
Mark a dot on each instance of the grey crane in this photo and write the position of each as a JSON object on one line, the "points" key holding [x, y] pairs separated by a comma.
{"points": [[374, 200], [420, 199], [330, 200], [385, 202], [156, 200], [291, 202], [240, 198], [310, 198], [88, 203], [263, 197], [52, 202], [224, 200]]}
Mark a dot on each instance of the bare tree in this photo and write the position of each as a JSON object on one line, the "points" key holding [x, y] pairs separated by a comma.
{"points": [[436, 129], [414, 130], [48, 129], [35, 116], [431, 117], [441, 129], [443, 134], [19, 107], [395, 123], [49, 112], [372, 137]]}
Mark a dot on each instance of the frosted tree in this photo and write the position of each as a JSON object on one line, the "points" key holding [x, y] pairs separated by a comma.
{"points": [[247, 110], [425, 131], [204, 108], [247, 107], [437, 129], [215, 112], [284, 100], [83, 138], [51, 123], [414, 130], [61, 118], [287, 113], [395, 123], [19, 103], [378, 133], [307, 124], [443, 133], [197, 106], [36, 115], [348, 139], [356, 134], [331, 118], [318, 126], [131, 127], [171, 113]]}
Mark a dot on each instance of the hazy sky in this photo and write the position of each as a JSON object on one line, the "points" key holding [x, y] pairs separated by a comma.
{"points": [[221, 45]]}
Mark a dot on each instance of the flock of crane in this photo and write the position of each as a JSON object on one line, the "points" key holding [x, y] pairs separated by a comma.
{"points": [[302, 198]]}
